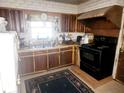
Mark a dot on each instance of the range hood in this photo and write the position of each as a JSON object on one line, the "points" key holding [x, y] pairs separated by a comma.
{"points": [[112, 13]]}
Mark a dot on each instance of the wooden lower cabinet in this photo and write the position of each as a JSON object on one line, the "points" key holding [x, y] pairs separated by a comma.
{"points": [[40, 62], [65, 57], [26, 65], [53, 60], [44, 59]]}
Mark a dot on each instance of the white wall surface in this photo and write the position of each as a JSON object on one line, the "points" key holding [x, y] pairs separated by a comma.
{"points": [[39, 5], [59, 7], [120, 2], [95, 4]]}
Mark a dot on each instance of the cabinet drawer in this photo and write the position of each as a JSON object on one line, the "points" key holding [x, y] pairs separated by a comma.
{"points": [[66, 48], [25, 53], [40, 52], [53, 50]]}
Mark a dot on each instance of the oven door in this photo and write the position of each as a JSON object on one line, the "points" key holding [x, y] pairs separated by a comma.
{"points": [[90, 57]]}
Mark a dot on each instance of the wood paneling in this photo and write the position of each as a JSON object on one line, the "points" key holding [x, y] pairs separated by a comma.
{"points": [[100, 23], [53, 60], [15, 19], [68, 23], [101, 26], [26, 65], [80, 27], [17, 22], [111, 33], [40, 62]]}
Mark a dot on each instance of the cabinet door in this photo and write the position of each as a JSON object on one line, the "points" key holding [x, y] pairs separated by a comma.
{"points": [[120, 68], [76, 56], [26, 65], [53, 60], [65, 57], [40, 62]]}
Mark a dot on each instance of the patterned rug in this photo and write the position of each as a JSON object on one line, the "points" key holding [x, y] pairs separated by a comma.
{"points": [[59, 82]]}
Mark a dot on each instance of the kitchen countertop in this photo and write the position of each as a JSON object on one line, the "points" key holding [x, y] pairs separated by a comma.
{"points": [[46, 48]]}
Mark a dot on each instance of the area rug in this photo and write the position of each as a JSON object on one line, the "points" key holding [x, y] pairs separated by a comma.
{"points": [[59, 82]]}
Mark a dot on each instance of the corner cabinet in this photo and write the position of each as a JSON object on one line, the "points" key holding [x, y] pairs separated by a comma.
{"points": [[40, 60]]}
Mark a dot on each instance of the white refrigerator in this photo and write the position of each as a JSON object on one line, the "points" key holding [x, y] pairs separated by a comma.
{"points": [[8, 62]]}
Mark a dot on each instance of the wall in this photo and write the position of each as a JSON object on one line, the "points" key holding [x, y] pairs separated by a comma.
{"points": [[102, 26], [59, 7], [39, 5], [95, 4], [120, 2]]}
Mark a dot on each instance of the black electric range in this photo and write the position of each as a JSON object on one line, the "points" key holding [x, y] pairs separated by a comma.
{"points": [[97, 58]]}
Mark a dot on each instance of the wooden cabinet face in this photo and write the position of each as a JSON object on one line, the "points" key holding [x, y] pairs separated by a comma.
{"points": [[44, 59], [53, 60], [26, 65], [65, 57], [76, 56], [40, 62], [120, 68]]}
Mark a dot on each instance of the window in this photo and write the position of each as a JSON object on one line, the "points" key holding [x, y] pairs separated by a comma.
{"points": [[41, 29]]}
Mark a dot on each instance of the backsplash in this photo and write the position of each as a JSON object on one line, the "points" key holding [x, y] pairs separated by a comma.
{"points": [[56, 40]]}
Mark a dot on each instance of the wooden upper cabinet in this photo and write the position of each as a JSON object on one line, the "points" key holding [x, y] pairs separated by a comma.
{"points": [[40, 59], [66, 56], [26, 65]]}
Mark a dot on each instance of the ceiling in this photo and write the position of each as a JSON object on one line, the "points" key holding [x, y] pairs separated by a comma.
{"points": [[76, 2]]}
